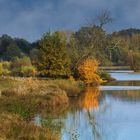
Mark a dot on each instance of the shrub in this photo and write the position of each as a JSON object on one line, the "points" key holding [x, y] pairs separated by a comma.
{"points": [[23, 67], [88, 71], [28, 71], [104, 75], [19, 62], [5, 68]]}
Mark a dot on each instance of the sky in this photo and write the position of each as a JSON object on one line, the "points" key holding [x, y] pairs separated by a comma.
{"points": [[29, 19]]}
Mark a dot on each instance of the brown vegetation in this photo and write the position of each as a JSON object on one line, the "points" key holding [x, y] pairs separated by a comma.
{"points": [[29, 87], [12, 127]]}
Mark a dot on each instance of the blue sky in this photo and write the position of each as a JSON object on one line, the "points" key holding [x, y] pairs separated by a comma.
{"points": [[29, 19]]}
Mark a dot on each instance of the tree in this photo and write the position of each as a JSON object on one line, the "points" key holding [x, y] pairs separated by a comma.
{"points": [[12, 52], [13, 47], [53, 59], [34, 54], [104, 18], [135, 60], [23, 45], [89, 42], [88, 71]]}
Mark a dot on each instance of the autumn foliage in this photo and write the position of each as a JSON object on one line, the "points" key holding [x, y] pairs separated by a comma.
{"points": [[88, 71], [89, 98]]}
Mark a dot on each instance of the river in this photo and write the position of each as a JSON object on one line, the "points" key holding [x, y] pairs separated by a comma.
{"points": [[111, 112]]}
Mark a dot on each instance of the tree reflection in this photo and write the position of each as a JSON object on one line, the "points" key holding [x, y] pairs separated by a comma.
{"points": [[126, 95], [89, 99], [81, 121]]}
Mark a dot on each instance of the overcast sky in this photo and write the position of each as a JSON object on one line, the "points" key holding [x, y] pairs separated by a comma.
{"points": [[29, 19]]}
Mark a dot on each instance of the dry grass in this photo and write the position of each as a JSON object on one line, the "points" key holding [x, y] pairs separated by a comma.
{"points": [[12, 127], [38, 88], [72, 88], [28, 86], [27, 97]]}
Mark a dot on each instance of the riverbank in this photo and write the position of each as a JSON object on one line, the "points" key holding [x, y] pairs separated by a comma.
{"points": [[40, 86], [23, 98], [29, 85], [115, 68]]}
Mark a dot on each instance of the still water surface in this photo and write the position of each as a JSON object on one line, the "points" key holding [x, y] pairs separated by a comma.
{"points": [[125, 75], [111, 112]]}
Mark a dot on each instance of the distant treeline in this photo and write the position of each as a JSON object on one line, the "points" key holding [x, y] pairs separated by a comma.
{"points": [[59, 53]]}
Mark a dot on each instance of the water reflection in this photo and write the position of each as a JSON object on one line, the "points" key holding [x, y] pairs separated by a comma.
{"points": [[103, 115], [126, 95], [121, 88], [123, 83], [89, 99], [81, 123], [98, 115]]}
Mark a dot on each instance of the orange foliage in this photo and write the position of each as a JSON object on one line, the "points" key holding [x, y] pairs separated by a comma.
{"points": [[89, 98], [88, 71]]}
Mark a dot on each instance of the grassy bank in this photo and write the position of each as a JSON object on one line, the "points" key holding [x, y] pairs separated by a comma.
{"points": [[23, 98], [14, 127], [39, 86], [115, 68]]}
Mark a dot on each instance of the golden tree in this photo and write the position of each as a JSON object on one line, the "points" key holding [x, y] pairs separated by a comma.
{"points": [[88, 71]]}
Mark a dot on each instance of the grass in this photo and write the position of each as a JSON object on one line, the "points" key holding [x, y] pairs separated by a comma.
{"points": [[72, 88], [28, 85], [26, 95], [13, 127], [114, 68], [23, 98], [7, 83]]}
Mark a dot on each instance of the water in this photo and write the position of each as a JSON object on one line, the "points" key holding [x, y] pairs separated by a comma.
{"points": [[125, 75], [110, 112], [120, 88], [113, 115]]}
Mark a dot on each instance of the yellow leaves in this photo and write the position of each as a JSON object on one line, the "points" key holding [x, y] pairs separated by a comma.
{"points": [[89, 98], [88, 71]]}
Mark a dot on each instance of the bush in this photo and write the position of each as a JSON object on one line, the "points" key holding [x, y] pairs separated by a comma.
{"points": [[105, 76], [88, 71], [5, 68], [23, 67], [28, 71], [19, 62]]}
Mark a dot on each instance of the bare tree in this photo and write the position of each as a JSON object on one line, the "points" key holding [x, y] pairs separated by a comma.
{"points": [[99, 20], [104, 18]]}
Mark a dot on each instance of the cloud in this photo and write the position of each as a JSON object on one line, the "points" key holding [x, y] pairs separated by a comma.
{"points": [[30, 19]]}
